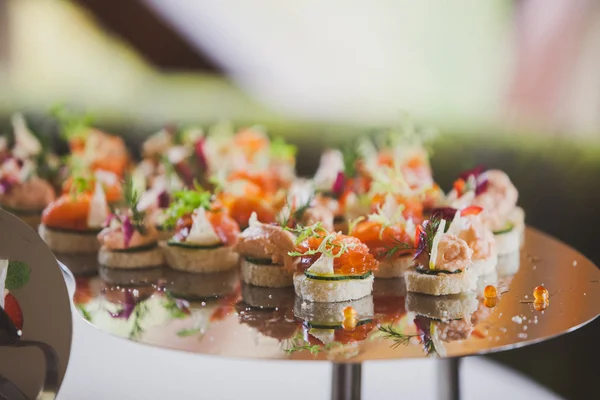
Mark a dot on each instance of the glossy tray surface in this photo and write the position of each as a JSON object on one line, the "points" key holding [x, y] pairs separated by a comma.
{"points": [[216, 314]]}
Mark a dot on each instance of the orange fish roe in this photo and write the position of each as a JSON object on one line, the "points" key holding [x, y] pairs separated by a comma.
{"points": [[357, 260], [381, 241], [540, 293], [490, 292]]}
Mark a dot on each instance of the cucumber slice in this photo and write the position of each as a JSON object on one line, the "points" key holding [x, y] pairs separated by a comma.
{"points": [[435, 272], [336, 277], [193, 246], [333, 325], [136, 249], [258, 261], [507, 228]]}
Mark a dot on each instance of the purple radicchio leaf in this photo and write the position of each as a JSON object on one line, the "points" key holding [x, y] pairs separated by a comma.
{"points": [[476, 171], [5, 185], [185, 174], [164, 199], [422, 246], [446, 213], [110, 218], [481, 187], [128, 230], [200, 154], [338, 184], [128, 307]]}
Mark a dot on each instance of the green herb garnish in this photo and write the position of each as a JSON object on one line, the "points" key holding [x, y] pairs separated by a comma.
{"points": [[327, 246], [188, 332], [73, 125], [81, 184], [173, 307], [17, 275], [140, 311], [399, 338], [84, 313], [185, 202], [281, 150], [132, 199]]}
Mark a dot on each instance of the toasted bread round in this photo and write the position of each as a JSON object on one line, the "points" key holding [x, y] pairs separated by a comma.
{"points": [[266, 297], [484, 267], [445, 308], [265, 275], [508, 264], [323, 291], [131, 259], [393, 268], [332, 313], [70, 242], [508, 242], [193, 286], [200, 260], [440, 284]]}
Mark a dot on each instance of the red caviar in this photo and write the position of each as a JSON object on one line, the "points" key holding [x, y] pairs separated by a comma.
{"points": [[357, 259], [381, 241]]}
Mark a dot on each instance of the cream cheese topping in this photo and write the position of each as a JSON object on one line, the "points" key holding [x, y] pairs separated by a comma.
{"points": [[202, 231], [98, 213]]}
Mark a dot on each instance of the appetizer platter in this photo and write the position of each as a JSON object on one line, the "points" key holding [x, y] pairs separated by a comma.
{"points": [[212, 244]]}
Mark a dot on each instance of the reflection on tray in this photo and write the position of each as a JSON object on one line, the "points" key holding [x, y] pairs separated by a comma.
{"points": [[217, 314]]}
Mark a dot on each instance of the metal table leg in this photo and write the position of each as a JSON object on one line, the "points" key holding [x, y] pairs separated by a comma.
{"points": [[448, 382], [346, 382]]}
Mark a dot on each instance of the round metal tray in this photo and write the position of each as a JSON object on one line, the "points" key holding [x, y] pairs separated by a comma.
{"points": [[215, 314]]}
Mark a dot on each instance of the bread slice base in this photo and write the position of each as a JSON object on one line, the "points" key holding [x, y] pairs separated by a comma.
{"points": [[265, 275], [200, 260], [70, 242], [487, 266], [322, 291], [440, 284], [131, 259], [508, 242]]}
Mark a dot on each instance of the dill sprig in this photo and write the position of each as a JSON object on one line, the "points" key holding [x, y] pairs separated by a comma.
{"points": [[132, 199], [398, 247], [399, 338]]}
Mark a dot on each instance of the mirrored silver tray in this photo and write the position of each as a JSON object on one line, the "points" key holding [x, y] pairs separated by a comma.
{"points": [[216, 314]]}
